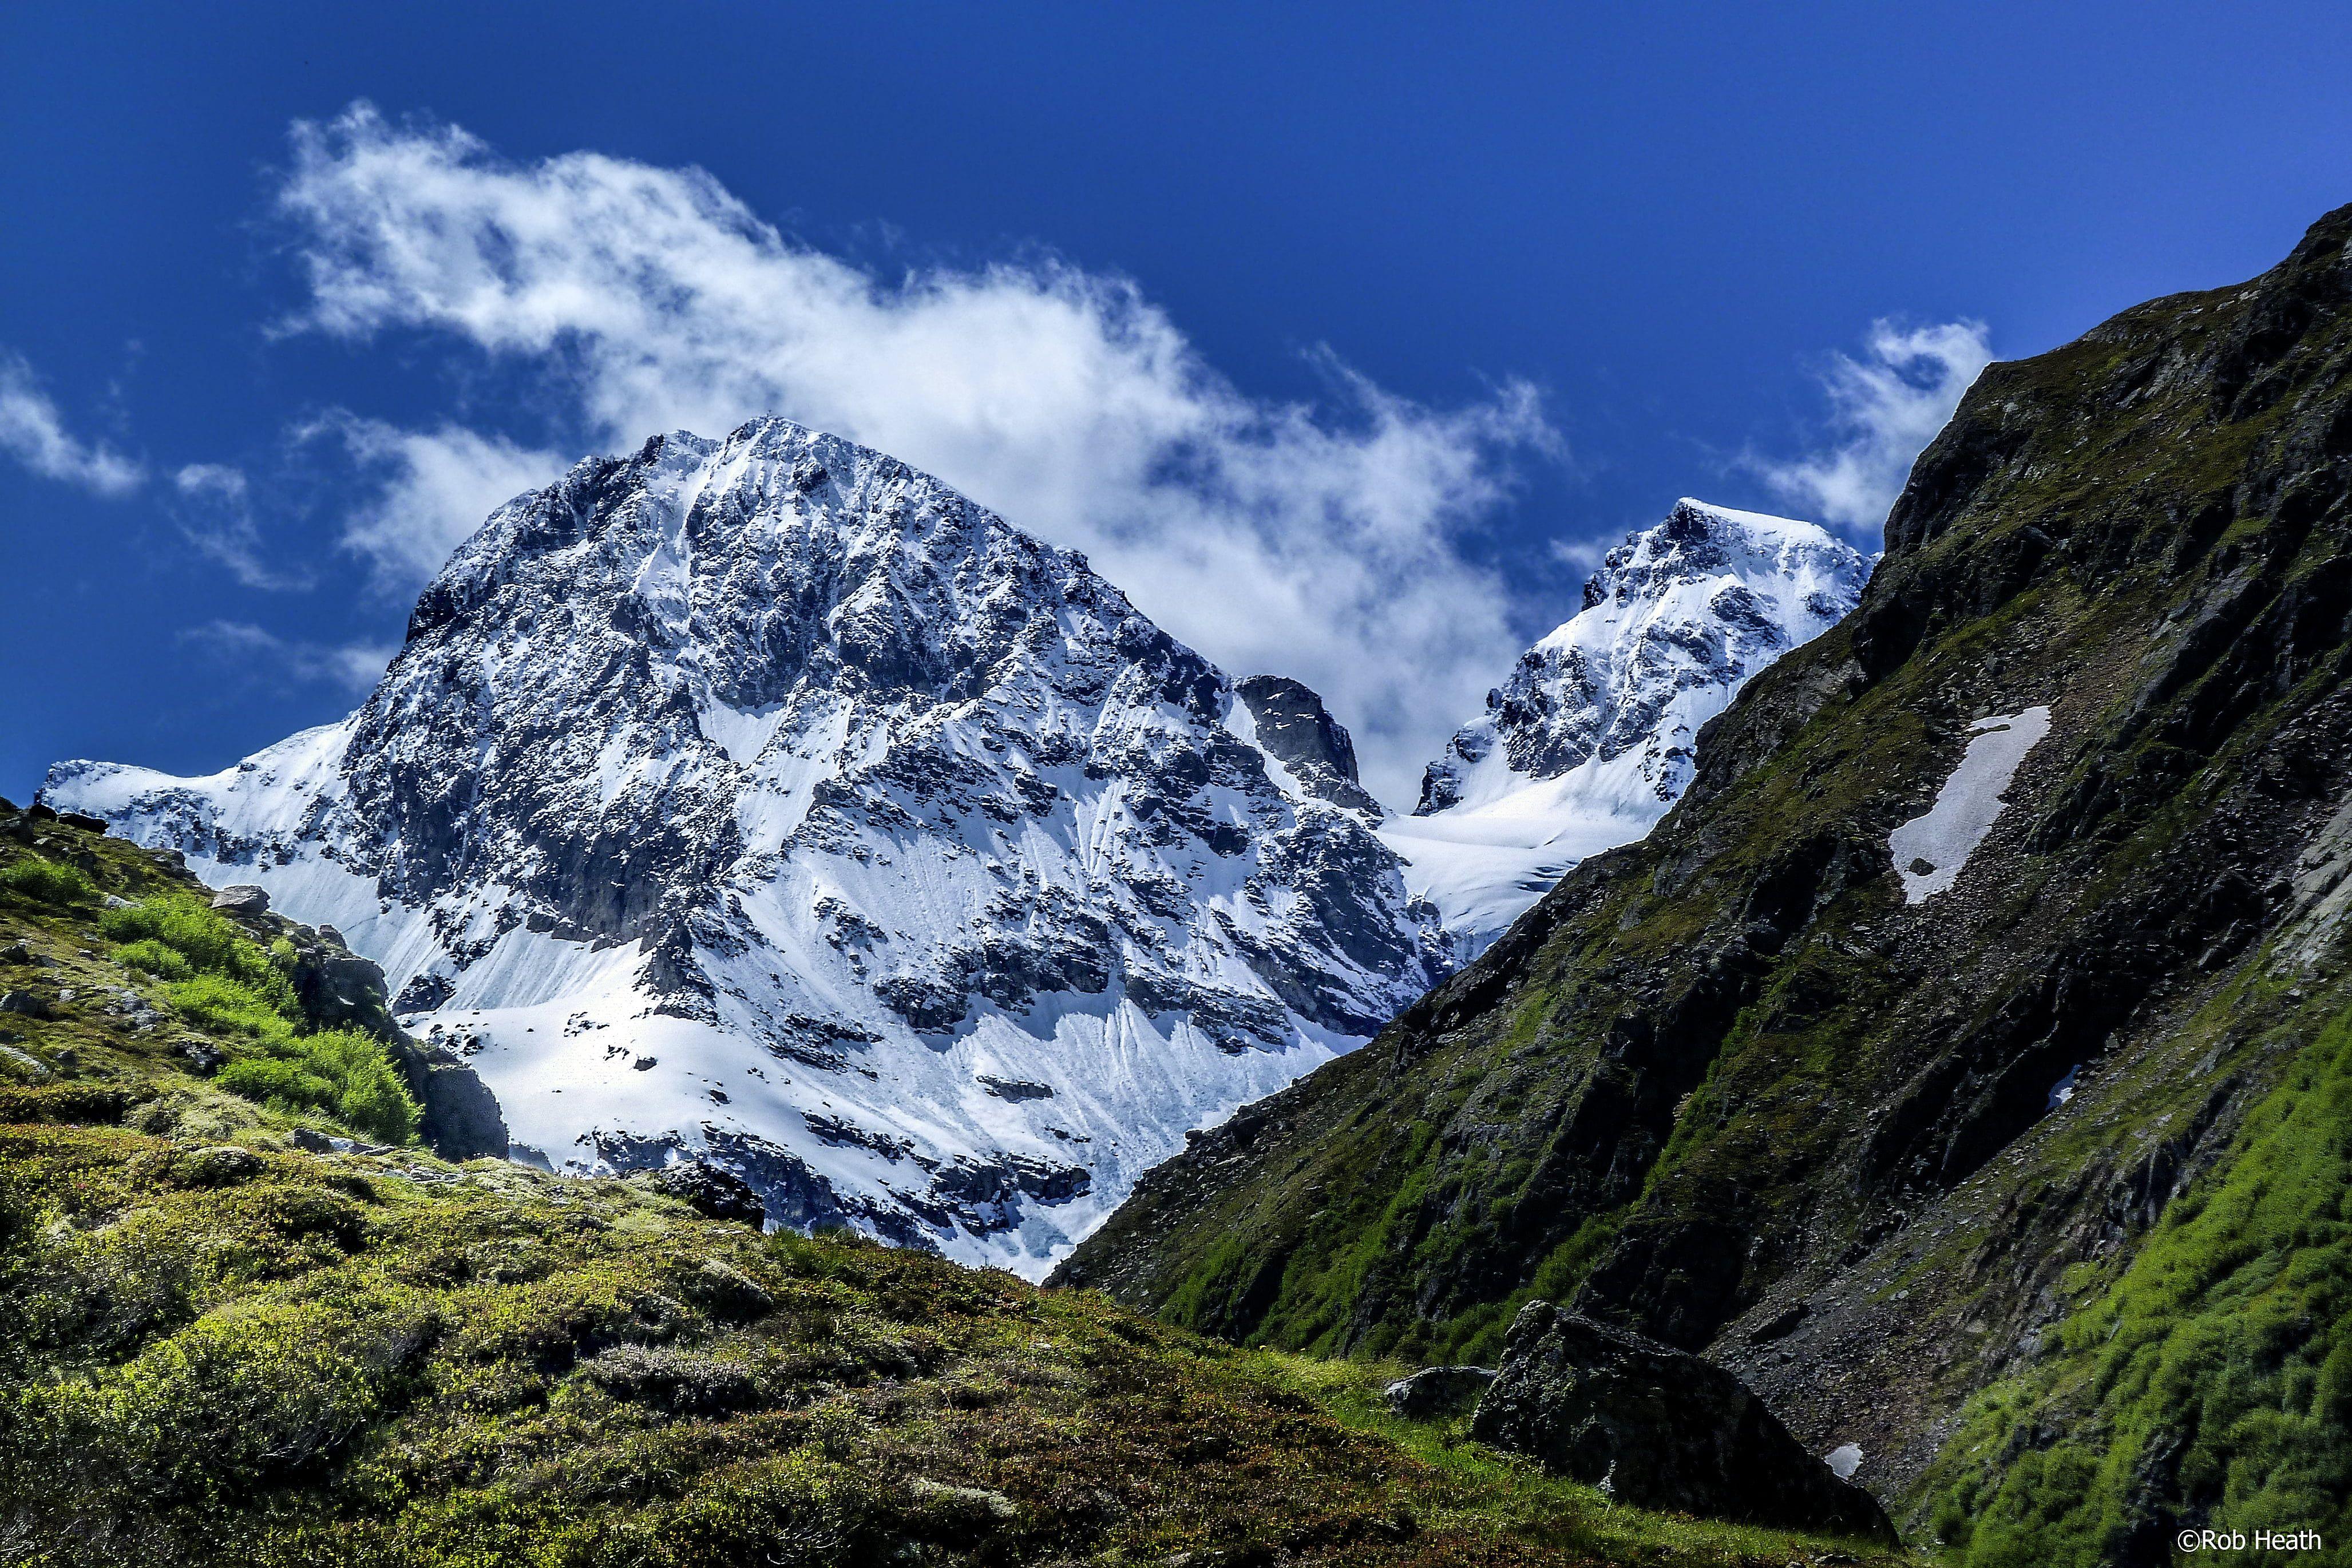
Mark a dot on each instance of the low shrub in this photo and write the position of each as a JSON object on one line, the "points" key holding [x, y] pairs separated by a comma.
{"points": [[222, 1006], [48, 881], [340, 1072], [64, 1102], [152, 957], [210, 943]]}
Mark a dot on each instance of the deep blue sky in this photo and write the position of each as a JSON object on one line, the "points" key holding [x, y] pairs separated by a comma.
{"points": [[1665, 216]]}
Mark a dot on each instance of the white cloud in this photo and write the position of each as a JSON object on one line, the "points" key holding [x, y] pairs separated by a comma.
{"points": [[215, 513], [34, 433], [1315, 542], [1583, 554], [1884, 408], [436, 487], [352, 667]]}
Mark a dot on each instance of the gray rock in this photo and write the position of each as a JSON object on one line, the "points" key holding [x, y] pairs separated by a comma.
{"points": [[1294, 728], [243, 900], [714, 1191], [1664, 1428], [24, 1004], [462, 1120], [1437, 1391]]}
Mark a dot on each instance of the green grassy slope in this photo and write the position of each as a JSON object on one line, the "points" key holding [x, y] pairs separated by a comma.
{"points": [[219, 1347], [1727, 1086], [2216, 1366]]}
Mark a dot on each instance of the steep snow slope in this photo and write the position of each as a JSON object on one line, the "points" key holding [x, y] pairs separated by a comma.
{"points": [[763, 800], [1590, 738]]}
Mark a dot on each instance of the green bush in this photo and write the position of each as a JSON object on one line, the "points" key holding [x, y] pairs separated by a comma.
{"points": [[210, 942], [340, 1072], [48, 881], [221, 1005], [153, 957], [219, 980]]}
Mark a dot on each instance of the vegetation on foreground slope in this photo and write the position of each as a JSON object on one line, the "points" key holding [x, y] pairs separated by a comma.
{"points": [[218, 1346]]}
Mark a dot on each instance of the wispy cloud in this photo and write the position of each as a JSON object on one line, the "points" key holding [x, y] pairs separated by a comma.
{"points": [[1317, 540], [33, 432], [432, 489], [215, 511], [350, 667], [1885, 408]]}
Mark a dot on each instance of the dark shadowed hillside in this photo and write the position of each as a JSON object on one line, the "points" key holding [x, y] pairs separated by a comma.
{"points": [[2021, 1163]]}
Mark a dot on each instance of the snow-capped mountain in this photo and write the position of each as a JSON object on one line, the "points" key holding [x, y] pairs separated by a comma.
{"points": [[1591, 740], [765, 801]]}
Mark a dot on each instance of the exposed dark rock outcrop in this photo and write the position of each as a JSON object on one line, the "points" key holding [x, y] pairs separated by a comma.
{"points": [[1659, 1427], [714, 1191], [1437, 1390], [1295, 727]]}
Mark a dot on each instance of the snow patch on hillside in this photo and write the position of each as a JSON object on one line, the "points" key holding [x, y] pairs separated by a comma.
{"points": [[1931, 851]]}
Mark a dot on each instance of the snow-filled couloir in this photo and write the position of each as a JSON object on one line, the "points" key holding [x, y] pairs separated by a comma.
{"points": [[766, 802], [1591, 738]]}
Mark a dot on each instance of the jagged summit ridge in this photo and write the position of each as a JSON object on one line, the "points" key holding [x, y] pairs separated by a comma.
{"points": [[1592, 737], [763, 799]]}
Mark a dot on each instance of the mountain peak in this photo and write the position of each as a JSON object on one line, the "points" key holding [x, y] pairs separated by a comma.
{"points": [[1287, 720], [1592, 737], [763, 799]]}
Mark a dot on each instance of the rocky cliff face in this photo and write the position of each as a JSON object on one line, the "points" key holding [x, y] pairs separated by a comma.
{"points": [[1592, 736], [1289, 724], [764, 800], [2024, 1186]]}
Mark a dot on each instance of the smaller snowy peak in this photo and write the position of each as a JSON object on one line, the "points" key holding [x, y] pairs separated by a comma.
{"points": [[1287, 721], [1593, 735]]}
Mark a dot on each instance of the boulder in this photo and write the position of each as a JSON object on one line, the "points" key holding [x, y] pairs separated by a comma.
{"points": [[1660, 1428], [711, 1190], [462, 1120], [243, 900], [1437, 1391]]}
